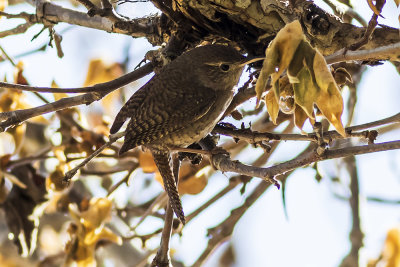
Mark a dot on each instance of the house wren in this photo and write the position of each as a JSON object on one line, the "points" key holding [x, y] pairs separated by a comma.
{"points": [[180, 106]]}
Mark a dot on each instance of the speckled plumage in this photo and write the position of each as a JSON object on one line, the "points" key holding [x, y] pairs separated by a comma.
{"points": [[180, 106]]}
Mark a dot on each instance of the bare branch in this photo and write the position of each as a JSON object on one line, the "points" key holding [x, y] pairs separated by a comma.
{"points": [[17, 30], [71, 173], [140, 27], [356, 236], [99, 91], [225, 164], [97, 88], [370, 28], [388, 52]]}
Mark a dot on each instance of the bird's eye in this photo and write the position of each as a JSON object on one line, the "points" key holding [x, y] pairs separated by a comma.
{"points": [[224, 67]]}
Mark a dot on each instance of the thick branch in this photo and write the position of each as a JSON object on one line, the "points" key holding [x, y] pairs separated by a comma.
{"points": [[225, 164], [388, 52], [49, 12]]}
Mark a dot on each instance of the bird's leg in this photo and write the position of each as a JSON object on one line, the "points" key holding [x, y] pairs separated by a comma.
{"points": [[194, 158], [162, 158]]}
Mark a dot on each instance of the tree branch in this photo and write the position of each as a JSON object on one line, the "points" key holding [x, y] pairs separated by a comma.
{"points": [[356, 236], [225, 164], [98, 92], [387, 52]]}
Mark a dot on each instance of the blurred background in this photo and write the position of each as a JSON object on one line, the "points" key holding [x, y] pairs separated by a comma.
{"points": [[313, 227]]}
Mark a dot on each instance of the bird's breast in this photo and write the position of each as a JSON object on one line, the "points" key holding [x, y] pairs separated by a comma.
{"points": [[198, 129]]}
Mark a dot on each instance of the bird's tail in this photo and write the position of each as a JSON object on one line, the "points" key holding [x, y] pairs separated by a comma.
{"points": [[162, 158]]}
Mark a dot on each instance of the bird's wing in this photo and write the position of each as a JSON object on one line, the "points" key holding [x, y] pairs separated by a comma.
{"points": [[165, 111], [130, 107]]}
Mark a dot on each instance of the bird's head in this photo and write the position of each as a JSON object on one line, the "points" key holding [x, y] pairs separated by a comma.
{"points": [[218, 66]]}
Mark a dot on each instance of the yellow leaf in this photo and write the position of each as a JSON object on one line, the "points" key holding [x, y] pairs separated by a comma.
{"points": [[100, 72], [55, 181], [98, 212], [373, 7], [397, 2], [300, 117], [87, 230], [18, 133], [192, 181], [392, 248], [308, 74], [147, 163], [3, 4], [330, 100], [305, 91], [272, 105], [95, 236], [279, 54]]}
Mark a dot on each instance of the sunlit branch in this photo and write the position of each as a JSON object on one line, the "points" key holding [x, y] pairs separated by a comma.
{"points": [[388, 52], [18, 116]]}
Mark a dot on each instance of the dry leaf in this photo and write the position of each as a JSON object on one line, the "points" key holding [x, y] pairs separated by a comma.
{"points": [[279, 54], [100, 72], [19, 78], [272, 105], [55, 181], [342, 76], [391, 251], [390, 255], [19, 208], [286, 98], [3, 5], [87, 230], [373, 7], [146, 162], [192, 178], [308, 74], [300, 117]]}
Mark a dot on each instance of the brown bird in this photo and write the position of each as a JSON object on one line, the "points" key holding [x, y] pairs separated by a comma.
{"points": [[180, 106]]}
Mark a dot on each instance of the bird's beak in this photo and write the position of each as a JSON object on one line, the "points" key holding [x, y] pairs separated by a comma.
{"points": [[249, 60]]}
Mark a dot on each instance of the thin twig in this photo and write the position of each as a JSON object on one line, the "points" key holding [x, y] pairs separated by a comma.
{"points": [[383, 201], [161, 200], [22, 28], [254, 136], [97, 88], [71, 173], [123, 180], [370, 28], [224, 230], [8, 56]]}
